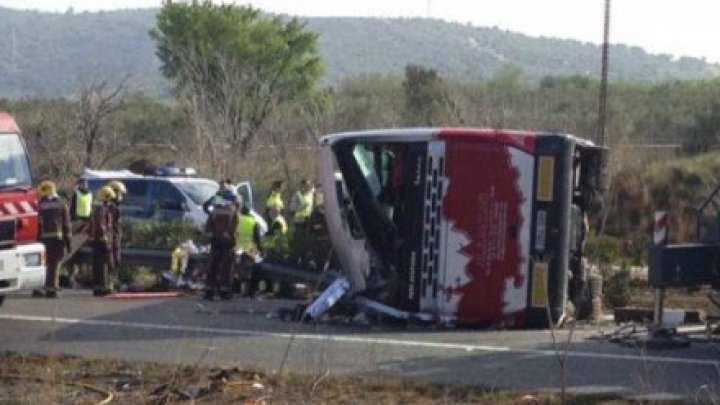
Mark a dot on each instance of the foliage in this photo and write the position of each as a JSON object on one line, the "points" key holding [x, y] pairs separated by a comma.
{"points": [[424, 96], [233, 67], [603, 249], [161, 235], [50, 54], [616, 288]]}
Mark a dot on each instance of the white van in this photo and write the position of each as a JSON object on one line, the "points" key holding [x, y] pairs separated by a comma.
{"points": [[167, 197]]}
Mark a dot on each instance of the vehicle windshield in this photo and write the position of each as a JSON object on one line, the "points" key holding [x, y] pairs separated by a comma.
{"points": [[14, 165], [198, 191]]}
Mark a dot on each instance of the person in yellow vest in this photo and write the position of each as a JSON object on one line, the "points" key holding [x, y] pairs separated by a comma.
{"points": [[275, 239], [81, 202], [274, 199], [55, 233], [248, 245], [302, 203]]}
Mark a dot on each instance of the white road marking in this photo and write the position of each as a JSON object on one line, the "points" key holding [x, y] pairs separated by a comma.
{"points": [[357, 339]]}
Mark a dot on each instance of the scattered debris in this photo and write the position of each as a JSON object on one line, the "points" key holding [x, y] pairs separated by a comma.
{"points": [[634, 335], [328, 298]]}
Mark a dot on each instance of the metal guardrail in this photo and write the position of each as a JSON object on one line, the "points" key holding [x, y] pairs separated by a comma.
{"points": [[160, 260]]}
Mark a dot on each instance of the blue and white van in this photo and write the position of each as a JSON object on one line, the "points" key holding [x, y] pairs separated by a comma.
{"points": [[170, 196]]}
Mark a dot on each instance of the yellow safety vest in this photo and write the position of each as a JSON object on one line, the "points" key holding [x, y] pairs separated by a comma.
{"points": [[275, 200], [283, 224], [278, 241], [306, 200], [245, 232], [83, 204]]}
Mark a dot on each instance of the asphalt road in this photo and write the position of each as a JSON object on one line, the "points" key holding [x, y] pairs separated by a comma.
{"points": [[245, 333]]}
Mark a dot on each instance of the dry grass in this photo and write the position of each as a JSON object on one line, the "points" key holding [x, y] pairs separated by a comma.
{"points": [[26, 378]]}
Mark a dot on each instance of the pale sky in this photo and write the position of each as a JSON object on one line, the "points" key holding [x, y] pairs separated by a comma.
{"points": [[687, 27]]}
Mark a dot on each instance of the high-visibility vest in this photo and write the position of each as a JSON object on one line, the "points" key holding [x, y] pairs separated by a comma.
{"points": [[278, 240], [306, 200], [283, 224], [244, 237], [83, 204], [274, 200]]}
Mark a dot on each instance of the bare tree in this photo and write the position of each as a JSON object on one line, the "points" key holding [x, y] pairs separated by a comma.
{"points": [[97, 104]]}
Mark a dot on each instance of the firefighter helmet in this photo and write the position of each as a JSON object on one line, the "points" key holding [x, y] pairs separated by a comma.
{"points": [[118, 187], [106, 193], [47, 189]]}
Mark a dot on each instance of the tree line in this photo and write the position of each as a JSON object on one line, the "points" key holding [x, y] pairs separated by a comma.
{"points": [[249, 101]]}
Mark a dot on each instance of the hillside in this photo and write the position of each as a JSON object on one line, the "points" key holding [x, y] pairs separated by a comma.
{"points": [[51, 54]]}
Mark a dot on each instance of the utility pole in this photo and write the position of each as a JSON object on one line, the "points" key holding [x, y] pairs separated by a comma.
{"points": [[602, 114]]}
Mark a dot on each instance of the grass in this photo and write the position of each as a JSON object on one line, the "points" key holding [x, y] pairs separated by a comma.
{"points": [[31, 378]]}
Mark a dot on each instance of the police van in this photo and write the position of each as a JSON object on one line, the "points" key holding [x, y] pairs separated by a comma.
{"points": [[171, 194]]}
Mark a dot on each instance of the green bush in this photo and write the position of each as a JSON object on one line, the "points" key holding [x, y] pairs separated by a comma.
{"points": [[162, 235], [603, 249], [616, 288]]}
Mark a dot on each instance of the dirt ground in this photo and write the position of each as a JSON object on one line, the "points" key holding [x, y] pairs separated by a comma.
{"points": [[35, 379]]}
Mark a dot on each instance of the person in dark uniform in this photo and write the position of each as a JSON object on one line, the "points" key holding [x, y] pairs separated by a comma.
{"points": [[221, 226], [120, 191], [100, 236], [55, 233]]}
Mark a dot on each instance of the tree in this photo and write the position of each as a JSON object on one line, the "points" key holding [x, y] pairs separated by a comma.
{"points": [[233, 67], [424, 95]]}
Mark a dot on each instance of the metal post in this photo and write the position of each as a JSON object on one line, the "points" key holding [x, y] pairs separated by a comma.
{"points": [[659, 307], [602, 113], [660, 238]]}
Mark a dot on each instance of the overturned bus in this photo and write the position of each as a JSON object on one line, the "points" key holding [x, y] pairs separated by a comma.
{"points": [[470, 226]]}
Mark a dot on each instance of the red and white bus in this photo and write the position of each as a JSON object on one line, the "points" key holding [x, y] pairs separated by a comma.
{"points": [[473, 226]]}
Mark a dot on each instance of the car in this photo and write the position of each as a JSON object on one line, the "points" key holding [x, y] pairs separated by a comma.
{"points": [[170, 195]]}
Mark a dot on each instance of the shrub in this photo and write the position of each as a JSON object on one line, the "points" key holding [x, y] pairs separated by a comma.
{"points": [[616, 288], [162, 235]]}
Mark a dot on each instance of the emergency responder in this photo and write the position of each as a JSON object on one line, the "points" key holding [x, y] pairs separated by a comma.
{"points": [[81, 202], [221, 226], [275, 239], [100, 235], [80, 209], [302, 203], [119, 189], [274, 199], [249, 246], [217, 198], [55, 234]]}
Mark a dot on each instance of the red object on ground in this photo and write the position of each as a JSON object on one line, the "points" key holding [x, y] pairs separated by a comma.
{"points": [[145, 295]]}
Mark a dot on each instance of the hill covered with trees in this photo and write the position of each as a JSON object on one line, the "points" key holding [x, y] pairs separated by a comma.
{"points": [[51, 54]]}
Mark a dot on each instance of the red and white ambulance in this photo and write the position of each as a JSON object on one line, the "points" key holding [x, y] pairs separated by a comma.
{"points": [[22, 257], [472, 226]]}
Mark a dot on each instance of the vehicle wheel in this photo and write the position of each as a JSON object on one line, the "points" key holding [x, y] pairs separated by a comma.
{"points": [[2, 299]]}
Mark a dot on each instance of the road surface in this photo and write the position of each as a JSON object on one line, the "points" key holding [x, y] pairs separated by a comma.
{"points": [[245, 333]]}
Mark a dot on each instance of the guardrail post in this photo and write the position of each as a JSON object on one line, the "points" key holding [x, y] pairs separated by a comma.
{"points": [[660, 238]]}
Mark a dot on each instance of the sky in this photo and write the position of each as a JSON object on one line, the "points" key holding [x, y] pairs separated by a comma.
{"points": [[678, 28]]}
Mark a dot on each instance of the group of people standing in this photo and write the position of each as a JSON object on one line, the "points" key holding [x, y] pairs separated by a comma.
{"points": [[95, 218], [235, 232]]}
